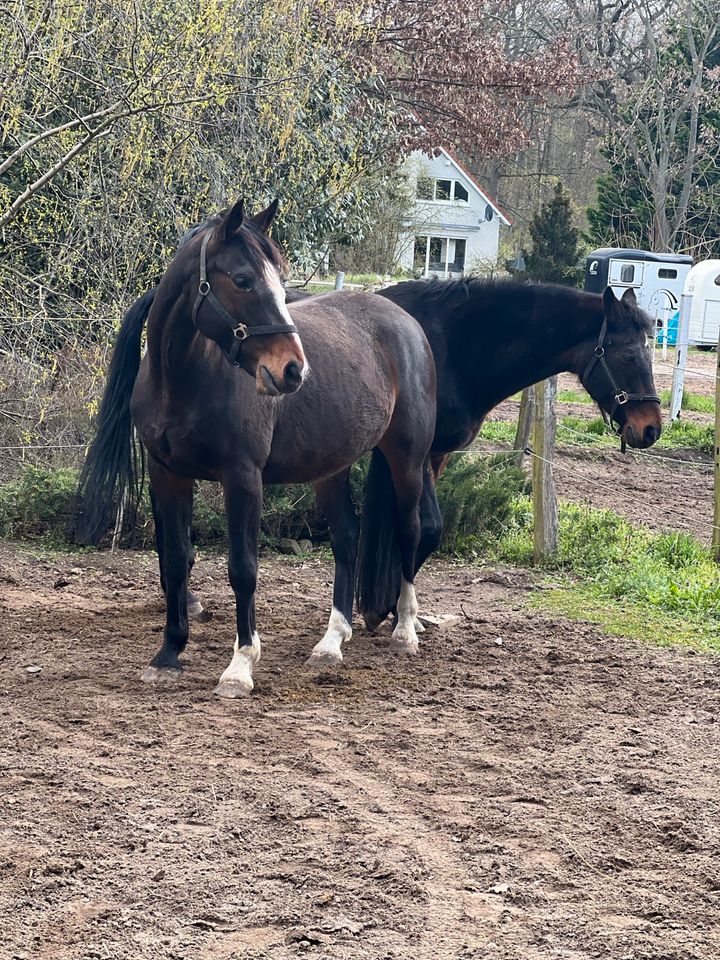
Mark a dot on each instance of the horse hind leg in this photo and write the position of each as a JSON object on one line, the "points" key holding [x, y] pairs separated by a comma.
{"points": [[408, 483], [172, 506], [335, 500]]}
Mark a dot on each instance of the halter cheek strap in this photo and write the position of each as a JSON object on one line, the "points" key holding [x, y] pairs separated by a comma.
{"points": [[240, 330], [621, 397]]}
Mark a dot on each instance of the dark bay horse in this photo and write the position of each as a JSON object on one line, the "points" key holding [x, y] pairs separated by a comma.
{"points": [[491, 338], [339, 375]]}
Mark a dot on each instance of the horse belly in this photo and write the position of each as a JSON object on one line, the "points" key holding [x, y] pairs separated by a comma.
{"points": [[305, 451]]}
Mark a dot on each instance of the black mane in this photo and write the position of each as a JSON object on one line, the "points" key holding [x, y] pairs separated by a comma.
{"points": [[454, 295]]}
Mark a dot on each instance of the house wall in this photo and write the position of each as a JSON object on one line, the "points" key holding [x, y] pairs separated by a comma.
{"points": [[448, 218]]}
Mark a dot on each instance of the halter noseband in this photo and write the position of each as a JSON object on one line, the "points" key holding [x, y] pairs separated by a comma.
{"points": [[240, 330], [621, 397]]}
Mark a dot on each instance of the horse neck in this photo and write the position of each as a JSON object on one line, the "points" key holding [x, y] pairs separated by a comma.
{"points": [[527, 335], [171, 331]]}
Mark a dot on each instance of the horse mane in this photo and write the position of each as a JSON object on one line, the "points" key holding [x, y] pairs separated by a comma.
{"points": [[456, 294], [257, 246]]}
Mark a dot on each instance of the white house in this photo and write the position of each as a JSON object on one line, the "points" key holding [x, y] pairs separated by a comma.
{"points": [[455, 225]]}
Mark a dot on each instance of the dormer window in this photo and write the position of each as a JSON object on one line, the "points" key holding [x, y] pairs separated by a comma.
{"points": [[441, 191]]}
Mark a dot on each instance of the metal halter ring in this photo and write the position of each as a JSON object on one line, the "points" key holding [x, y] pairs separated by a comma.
{"points": [[621, 398], [204, 288], [240, 332]]}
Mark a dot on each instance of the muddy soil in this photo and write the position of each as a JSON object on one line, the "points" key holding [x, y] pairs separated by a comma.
{"points": [[524, 789]]}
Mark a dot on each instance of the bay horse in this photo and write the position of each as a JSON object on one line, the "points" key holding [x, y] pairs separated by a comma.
{"points": [[331, 379], [492, 338]]}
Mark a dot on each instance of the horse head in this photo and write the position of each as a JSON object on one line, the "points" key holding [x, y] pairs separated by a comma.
{"points": [[240, 300], [618, 371]]}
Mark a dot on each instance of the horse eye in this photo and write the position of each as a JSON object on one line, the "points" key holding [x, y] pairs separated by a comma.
{"points": [[243, 283]]}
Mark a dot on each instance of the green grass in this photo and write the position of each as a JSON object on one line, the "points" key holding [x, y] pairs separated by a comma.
{"points": [[630, 580], [679, 435], [587, 602], [574, 396], [696, 402]]}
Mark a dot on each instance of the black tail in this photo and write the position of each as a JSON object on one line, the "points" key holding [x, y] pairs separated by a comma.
{"points": [[111, 467], [379, 568]]}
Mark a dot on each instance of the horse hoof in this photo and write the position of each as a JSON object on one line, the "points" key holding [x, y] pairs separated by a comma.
{"points": [[419, 627], [233, 689], [404, 645], [323, 658], [197, 612], [160, 676]]}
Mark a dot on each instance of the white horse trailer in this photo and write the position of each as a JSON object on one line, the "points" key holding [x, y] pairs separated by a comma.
{"points": [[656, 278], [703, 285]]}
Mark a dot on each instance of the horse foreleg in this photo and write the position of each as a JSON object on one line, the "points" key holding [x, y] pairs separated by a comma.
{"points": [[243, 506], [336, 503], [172, 506]]}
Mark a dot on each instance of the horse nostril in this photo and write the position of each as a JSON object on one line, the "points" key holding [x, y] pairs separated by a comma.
{"points": [[293, 374], [650, 435]]}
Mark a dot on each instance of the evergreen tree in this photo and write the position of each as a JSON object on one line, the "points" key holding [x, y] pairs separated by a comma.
{"points": [[555, 254]]}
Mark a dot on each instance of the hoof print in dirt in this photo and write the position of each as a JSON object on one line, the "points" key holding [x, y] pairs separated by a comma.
{"points": [[333, 680], [155, 676]]}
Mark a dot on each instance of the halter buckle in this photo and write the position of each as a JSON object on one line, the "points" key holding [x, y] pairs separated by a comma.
{"points": [[621, 398], [240, 332], [204, 288]]}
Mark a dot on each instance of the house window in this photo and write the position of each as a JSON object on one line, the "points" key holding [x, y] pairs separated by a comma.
{"points": [[444, 190], [458, 262], [439, 256], [665, 274], [460, 193]]}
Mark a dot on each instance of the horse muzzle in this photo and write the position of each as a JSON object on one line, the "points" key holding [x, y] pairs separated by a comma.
{"points": [[272, 385], [640, 436]]}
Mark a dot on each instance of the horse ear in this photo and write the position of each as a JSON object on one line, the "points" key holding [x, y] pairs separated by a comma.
{"points": [[629, 298], [233, 221], [609, 300], [263, 219]]}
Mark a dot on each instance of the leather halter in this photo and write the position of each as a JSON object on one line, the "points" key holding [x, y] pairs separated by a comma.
{"points": [[621, 397], [240, 330]]}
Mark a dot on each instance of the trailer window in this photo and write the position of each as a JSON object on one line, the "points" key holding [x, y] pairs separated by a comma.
{"points": [[664, 273], [627, 273], [716, 281]]}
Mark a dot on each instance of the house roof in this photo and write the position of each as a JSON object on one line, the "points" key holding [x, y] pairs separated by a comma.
{"points": [[481, 190]]}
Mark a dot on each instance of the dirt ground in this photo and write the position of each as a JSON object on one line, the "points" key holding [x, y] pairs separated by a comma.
{"points": [[524, 788]]}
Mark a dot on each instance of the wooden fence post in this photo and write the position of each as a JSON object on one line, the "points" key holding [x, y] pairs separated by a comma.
{"points": [[339, 280], [545, 532], [716, 473], [524, 424]]}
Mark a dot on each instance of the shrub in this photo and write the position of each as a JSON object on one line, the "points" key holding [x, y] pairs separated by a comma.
{"points": [[476, 496], [38, 503]]}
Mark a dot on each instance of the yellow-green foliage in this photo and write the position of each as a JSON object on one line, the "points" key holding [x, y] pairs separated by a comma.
{"points": [[194, 104]]}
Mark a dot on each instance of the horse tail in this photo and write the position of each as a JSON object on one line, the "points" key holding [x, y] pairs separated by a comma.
{"points": [[379, 568], [111, 469]]}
